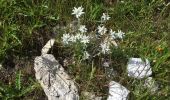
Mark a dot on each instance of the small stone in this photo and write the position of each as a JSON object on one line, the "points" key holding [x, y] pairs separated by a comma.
{"points": [[117, 91], [47, 46], [139, 69]]}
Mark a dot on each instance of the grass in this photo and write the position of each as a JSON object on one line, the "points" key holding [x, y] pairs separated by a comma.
{"points": [[25, 26], [17, 90]]}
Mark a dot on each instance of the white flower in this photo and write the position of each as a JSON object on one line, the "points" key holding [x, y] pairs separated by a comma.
{"points": [[101, 30], [78, 36], [66, 38], [105, 17], [105, 46], [83, 29], [72, 38], [84, 39], [113, 34], [86, 55], [120, 34], [78, 11]]}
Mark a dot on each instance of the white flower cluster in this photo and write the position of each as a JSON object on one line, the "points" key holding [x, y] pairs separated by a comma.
{"points": [[105, 45], [110, 38], [101, 30], [115, 35], [67, 38]]}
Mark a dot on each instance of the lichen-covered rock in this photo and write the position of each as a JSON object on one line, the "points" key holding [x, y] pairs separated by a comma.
{"points": [[54, 80]]}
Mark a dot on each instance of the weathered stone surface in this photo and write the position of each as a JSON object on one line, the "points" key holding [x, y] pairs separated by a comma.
{"points": [[54, 80]]}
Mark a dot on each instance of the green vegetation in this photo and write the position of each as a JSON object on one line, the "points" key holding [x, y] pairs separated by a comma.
{"points": [[26, 25], [8, 92]]}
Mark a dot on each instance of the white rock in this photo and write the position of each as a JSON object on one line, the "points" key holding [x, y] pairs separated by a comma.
{"points": [[55, 82], [117, 91], [138, 69], [47, 46]]}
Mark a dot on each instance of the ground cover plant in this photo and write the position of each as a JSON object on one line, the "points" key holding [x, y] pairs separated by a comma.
{"points": [[94, 40]]}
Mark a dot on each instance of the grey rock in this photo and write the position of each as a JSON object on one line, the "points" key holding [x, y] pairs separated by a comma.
{"points": [[54, 80]]}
